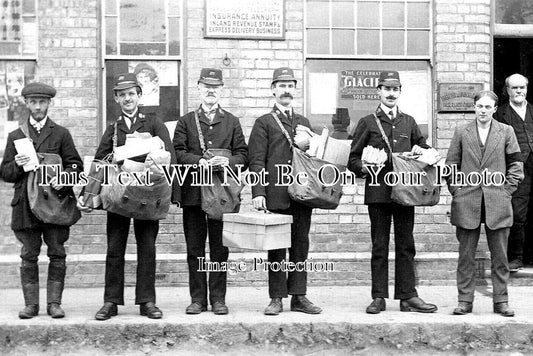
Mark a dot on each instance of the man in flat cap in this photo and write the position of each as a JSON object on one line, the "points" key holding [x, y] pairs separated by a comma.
{"points": [[128, 93], [268, 147], [47, 137], [197, 132], [402, 134]]}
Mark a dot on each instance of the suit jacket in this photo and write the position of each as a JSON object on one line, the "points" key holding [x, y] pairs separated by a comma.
{"points": [[403, 134], [223, 132], [502, 154], [524, 134], [143, 123], [268, 147], [52, 139]]}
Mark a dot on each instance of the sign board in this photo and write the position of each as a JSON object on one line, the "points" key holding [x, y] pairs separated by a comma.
{"points": [[359, 84], [245, 19], [457, 97]]}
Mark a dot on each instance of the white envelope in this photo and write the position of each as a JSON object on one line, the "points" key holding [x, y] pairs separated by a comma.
{"points": [[25, 146]]}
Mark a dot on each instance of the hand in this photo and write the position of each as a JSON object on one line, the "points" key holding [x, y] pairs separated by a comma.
{"points": [[219, 161], [81, 206], [21, 159], [203, 163], [417, 150], [54, 184], [259, 203]]}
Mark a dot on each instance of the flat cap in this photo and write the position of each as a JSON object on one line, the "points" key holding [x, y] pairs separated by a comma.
{"points": [[283, 73], [36, 89], [389, 78], [211, 76], [143, 66], [126, 81]]}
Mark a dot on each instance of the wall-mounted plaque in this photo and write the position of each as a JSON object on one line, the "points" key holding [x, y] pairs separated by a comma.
{"points": [[457, 97], [245, 19]]}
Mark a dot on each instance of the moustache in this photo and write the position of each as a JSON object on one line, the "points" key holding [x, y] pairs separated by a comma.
{"points": [[391, 97], [286, 95]]}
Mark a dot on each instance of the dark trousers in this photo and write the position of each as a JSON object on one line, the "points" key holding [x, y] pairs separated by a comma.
{"points": [[380, 226], [520, 201], [466, 267], [279, 286], [54, 237], [196, 226], [146, 231]]}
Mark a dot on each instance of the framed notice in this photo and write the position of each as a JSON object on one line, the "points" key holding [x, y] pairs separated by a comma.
{"points": [[245, 19], [457, 97]]}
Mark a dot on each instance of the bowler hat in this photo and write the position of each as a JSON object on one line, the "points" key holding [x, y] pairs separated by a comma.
{"points": [[389, 78], [211, 76], [126, 81], [283, 73], [37, 89]]}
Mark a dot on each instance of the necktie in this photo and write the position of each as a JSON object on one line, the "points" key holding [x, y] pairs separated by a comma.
{"points": [[391, 115], [129, 122], [211, 114], [288, 113], [37, 127]]}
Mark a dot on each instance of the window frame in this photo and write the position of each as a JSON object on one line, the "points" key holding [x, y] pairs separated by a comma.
{"points": [[21, 56]]}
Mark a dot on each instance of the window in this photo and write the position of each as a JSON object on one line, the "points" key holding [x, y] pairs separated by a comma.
{"points": [[514, 12], [18, 28], [394, 28], [144, 37]]}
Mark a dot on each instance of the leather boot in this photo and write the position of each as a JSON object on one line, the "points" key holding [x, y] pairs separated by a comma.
{"points": [[55, 285], [29, 277]]}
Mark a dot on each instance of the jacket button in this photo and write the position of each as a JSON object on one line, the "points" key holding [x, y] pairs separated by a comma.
{"points": [[393, 126], [209, 142], [289, 161], [394, 140], [210, 127]]}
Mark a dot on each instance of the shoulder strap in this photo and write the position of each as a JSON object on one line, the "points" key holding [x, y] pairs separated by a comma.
{"points": [[282, 128], [385, 138], [200, 134], [24, 129]]}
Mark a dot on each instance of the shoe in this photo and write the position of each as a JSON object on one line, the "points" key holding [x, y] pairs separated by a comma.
{"points": [[378, 305], [55, 311], [416, 304], [107, 311], [301, 304], [463, 308], [150, 310], [275, 307], [515, 265], [219, 308], [503, 309], [29, 311], [195, 308]]}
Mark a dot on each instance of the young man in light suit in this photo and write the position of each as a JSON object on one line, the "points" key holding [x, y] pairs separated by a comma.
{"points": [[484, 144]]}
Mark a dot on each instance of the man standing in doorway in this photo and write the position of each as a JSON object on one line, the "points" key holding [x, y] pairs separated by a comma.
{"points": [[268, 147], [518, 113], [403, 134]]}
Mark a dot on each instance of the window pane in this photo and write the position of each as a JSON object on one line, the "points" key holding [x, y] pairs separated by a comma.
{"points": [[10, 13], [317, 13], [318, 41], [342, 14], [150, 49], [368, 42], [111, 7], [111, 35], [28, 7], [142, 21], [393, 42], [417, 43], [29, 36], [9, 48], [393, 14], [417, 15], [368, 14], [343, 41], [174, 7], [514, 12], [174, 36]]}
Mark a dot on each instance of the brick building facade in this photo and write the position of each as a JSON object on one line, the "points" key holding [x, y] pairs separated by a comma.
{"points": [[70, 55]]}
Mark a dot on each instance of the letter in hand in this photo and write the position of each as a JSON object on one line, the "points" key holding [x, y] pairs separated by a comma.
{"points": [[82, 207], [259, 203], [21, 159]]}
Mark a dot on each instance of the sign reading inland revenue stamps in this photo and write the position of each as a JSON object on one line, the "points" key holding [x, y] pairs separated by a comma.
{"points": [[359, 84], [458, 96], [245, 19]]}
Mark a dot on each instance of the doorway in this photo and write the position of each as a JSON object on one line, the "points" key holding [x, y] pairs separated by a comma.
{"points": [[512, 55]]}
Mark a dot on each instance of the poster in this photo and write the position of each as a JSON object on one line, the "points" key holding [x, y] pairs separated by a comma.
{"points": [[323, 92]]}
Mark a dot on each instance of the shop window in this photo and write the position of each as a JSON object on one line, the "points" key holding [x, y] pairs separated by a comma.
{"points": [[514, 12], [399, 28], [18, 28], [144, 37]]}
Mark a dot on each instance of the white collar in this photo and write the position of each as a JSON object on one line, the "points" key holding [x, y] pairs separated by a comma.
{"points": [[206, 109], [387, 110], [284, 108], [520, 110], [130, 115], [40, 124]]}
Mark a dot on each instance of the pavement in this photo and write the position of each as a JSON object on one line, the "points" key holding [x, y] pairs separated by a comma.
{"points": [[343, 323]]}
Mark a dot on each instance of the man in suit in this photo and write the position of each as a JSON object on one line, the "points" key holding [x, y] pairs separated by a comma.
{"points": [[128, 94], [219, 130], [47, 137], [518, 113], [483, 145], [268, 147], [403, 135]]}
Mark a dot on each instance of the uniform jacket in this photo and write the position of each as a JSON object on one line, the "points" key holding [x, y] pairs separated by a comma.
{"points": [[524, 135], [143, 123], [52, 139], [223, 132], [403, 134], [268, 147], [502, 154]]}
